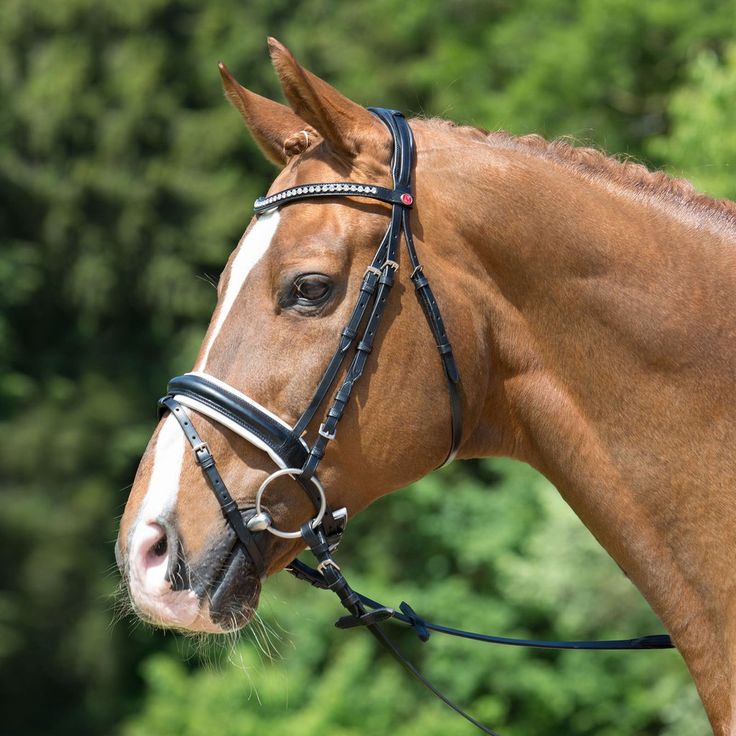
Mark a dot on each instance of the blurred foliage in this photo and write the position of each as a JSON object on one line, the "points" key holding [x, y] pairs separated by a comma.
{"points": [[702, 141], [124, 181]]}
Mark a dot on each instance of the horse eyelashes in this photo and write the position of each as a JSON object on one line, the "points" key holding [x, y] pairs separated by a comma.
{"points": [[308, 291]]}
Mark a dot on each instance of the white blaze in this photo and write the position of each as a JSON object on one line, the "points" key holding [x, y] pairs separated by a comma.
{"points": [[149, 587], [254, 244], [163, 486]]}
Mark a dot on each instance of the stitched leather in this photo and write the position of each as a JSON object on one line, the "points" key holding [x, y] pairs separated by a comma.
{"points": [[281, 440]]}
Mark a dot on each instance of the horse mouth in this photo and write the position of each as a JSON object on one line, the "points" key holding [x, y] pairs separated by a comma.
{"points": [[232, 596]]}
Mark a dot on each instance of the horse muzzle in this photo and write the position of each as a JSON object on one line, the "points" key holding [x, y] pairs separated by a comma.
{"points": [[215, 592]]}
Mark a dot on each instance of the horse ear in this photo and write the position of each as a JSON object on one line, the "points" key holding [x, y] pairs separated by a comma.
{"points": [[348, 127], [279, 132]]}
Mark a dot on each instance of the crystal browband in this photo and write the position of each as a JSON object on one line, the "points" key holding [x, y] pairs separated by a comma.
{"points": [[310, 191]]}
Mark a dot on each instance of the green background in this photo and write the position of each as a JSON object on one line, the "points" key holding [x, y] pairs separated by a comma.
{"points": [[125, 179]]}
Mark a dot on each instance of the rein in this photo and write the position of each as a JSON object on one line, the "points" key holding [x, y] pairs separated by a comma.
{"points": [[288, 449]]}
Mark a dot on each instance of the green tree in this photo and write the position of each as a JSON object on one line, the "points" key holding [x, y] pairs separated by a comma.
{"points": [[701, 144]]}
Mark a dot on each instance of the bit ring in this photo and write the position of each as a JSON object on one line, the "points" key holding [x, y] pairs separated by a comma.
{"points": [[292, 472]]}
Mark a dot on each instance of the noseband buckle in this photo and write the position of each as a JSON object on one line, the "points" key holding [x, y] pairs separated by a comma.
{"points": [[202, 447]]}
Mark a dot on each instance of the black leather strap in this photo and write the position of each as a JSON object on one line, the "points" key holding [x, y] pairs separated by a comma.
{"points": [[363, 348], [285, 444], [406, 615], [347, 336], [206, 461], [250, 417]]}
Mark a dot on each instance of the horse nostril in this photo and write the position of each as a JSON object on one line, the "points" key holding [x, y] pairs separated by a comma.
{"points": [[154, 543], [159, 549], [156, 561]]}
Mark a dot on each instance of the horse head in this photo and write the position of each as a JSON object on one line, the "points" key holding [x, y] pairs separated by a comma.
{"points": [[284, 298]]}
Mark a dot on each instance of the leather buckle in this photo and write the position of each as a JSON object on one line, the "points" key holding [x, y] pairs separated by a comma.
{"points": [[367, 619], [329, 562], [201, 447], [326, 433]]}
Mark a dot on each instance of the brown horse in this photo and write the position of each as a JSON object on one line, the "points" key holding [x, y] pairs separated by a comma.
{"points": [[589, 304]]}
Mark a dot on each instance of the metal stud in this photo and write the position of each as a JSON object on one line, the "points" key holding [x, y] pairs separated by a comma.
{"points": [[259, 522]]}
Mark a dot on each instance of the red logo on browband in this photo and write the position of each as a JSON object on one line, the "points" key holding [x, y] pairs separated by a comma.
{"points": [[406, 199]]}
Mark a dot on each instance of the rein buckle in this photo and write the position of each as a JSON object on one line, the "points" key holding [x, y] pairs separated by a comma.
{"points": [[367, 619]]}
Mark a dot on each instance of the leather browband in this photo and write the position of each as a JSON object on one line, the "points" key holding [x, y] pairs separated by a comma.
{"points": [[332, 189]]}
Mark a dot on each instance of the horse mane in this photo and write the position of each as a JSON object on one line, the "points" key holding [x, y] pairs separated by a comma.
{"points": [[592, 162]]}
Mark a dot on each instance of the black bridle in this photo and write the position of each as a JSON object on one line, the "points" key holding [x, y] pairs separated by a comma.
{"points": [[289, 450]]}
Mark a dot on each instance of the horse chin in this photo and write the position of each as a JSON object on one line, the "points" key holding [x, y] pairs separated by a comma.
{"points": [[231, 600]]}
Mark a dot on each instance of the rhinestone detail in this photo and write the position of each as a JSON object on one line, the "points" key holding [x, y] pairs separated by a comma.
{"points": [[338, 187]]}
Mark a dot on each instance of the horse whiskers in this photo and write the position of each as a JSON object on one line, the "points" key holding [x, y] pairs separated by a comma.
{"points": [[203, 647], [121, 604], [208, 279], [259, 637], [236, 654], [271, 637], [112, 570]]}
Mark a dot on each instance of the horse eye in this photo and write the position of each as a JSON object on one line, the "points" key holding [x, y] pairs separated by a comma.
{"points": [[311, 289]]}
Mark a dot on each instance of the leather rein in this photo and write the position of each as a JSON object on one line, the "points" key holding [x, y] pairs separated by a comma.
{"points": [[288, 449]]}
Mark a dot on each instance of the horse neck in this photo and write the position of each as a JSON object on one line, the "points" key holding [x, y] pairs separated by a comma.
{"points": [[609, 366]]}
